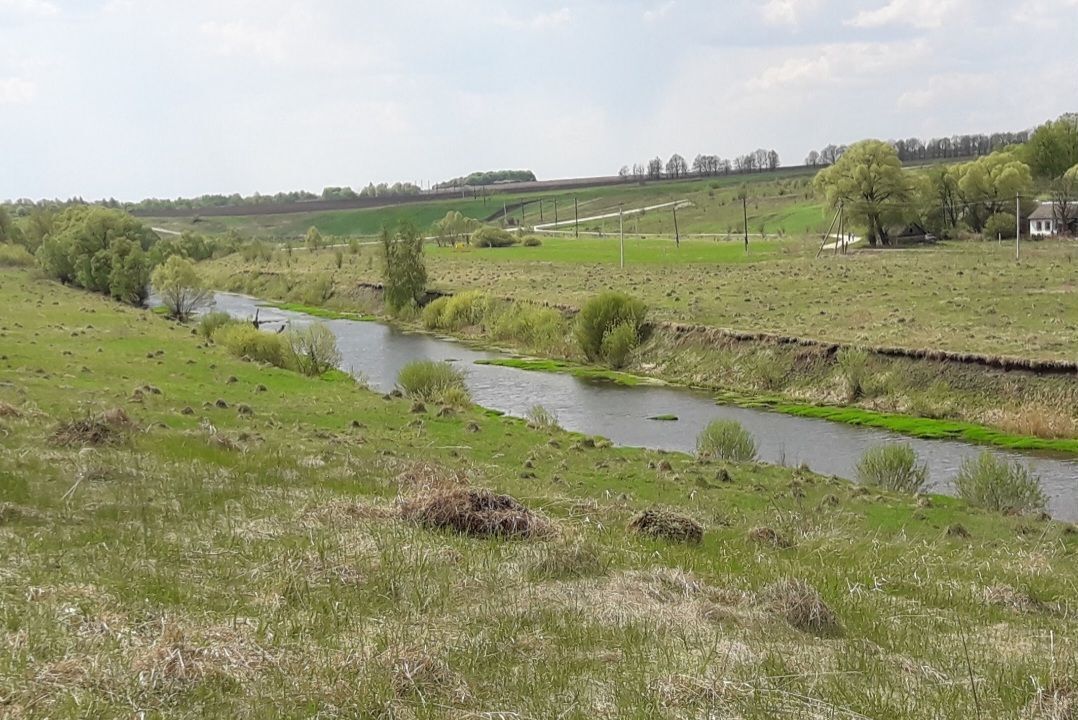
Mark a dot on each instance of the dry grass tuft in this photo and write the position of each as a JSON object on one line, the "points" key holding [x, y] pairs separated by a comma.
{"points": [[957, 530], [1007, 597], [108, 428], [1036, 420], [1052, 703], [415, 674], [800, 605], [476, 512], [10, 512], [686, 691], [180, 655], [420, 476], [347, 512], [770, 536], [10, 411], [667, 525]]}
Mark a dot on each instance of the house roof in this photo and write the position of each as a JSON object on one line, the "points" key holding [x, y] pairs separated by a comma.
{"points": [[1045, 211]]}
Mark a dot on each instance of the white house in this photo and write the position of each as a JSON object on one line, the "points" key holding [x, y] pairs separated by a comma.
{"points": [[1044, 220]]}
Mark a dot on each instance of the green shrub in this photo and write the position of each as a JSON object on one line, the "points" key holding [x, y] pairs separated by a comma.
{"points": [[993, 483], [602, 315], [893, 467], [248, 342], [726, 440], [432, 313], [853, 363], [619, 343], [532, 241], [466, 309], [492, 237], [1000, 225], [529, 325], [312, 349], [434, 382], [15, 256], [211, 322], [771, 369]]}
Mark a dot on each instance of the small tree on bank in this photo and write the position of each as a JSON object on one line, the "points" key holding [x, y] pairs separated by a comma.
{"points": [[313, 240], [404, 275], [180, 288], [313, 348]]}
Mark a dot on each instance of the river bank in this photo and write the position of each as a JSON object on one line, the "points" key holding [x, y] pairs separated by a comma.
{"points": [[928, 396]]}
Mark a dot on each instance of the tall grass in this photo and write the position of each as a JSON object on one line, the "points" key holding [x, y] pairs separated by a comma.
{"points": [[853, 364], [615, 315], [15, 256], [893, 467], [726, 440], [211, 322], [993, 483], [433, 381], [528, 326], [248, 342]]}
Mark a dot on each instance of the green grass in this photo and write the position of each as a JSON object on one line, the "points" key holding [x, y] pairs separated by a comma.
{"points": [[321, 312], [226, 564], [584, 372]]}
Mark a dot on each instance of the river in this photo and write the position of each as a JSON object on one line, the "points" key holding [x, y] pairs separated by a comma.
{"points": [[376, 352]]}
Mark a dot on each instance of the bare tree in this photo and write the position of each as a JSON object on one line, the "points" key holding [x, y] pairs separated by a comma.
{"points": [[813, 159], [655, 168], [676, 166], [772, 160]]}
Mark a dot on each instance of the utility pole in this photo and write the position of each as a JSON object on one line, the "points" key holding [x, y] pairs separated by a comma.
{"points": [[841, 239], [505, 214], [555, 213], [576, 219], [677, 234], [745, 215], [523, 206], [540, 210], [1017, 225], [621, 230]]}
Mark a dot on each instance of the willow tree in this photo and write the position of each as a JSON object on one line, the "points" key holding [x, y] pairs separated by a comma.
{"points": [[869, 184], [990, 185]]}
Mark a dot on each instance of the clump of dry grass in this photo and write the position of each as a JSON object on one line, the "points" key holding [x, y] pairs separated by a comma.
{"points": [[568, 561], [800, 605], [8, 410], [770, 536], [1052, 703], [108, 428], [957, 530], [179, 655], [476, 512], [414, 673], [667, 525], [1036, 420], [417, 476], [1005, 596], [687, 691]]}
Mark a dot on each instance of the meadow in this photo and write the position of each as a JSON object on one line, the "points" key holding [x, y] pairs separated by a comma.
{"points": [[185, 534]]}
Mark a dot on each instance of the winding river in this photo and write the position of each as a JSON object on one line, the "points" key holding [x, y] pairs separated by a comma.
{"points": [[376, 352]]}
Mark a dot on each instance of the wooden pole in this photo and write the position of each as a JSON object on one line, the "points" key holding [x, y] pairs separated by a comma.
{"points": [[621, 230], [677, 234], [1017, 226], [576, 219], [555, 213], [540, 209], [745, 215]]}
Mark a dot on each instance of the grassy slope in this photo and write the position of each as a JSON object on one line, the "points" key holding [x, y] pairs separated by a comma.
{"points": [[265, 574], [714, 209]]}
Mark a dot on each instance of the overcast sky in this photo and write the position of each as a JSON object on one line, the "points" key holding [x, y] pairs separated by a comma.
{"points": [[130, 98]]}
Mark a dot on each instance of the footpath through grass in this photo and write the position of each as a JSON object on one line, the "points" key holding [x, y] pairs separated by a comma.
{"points": [[187, 535]]}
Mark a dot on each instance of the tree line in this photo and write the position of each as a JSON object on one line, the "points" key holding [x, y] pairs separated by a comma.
{"points": [[984, 195], [702, 166], [489, 177]]}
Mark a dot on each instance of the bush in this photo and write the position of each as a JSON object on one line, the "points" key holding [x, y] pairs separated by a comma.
{"points": [[853, 362], [434, 382], [993, 483], [531, 326], [211, 322], [619, 343], [15, 256], [404, 274], [604, 314], [465, 309], [492, 237], [893, 467], [248, 342], [312, 349], [532, 241], [432, 313], [726, 440], [1000, 224]]}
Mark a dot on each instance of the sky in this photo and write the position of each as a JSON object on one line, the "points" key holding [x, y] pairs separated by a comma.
{"points": [[157, 98]]}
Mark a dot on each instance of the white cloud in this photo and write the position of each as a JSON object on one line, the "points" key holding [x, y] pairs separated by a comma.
{"points": [[38, 8], [541, 21], [948, 88], [16, 91], [838, 63], [659, 11], [786, 12], [925, 14]]}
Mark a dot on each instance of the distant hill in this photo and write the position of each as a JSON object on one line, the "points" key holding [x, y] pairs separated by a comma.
{"points": [[490, 177]]}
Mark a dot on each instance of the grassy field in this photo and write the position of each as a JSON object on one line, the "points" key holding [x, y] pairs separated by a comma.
{"points": [[778, 201], [964, 297], [189, 535]]}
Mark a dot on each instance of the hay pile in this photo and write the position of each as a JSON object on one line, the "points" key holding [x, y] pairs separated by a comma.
{"points": [[770, 536], [475, 512], [799, 604], [667, 525], [108, 428]]}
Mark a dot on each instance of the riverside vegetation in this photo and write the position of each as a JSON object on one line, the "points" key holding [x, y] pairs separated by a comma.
{"points": [[187, 533]]}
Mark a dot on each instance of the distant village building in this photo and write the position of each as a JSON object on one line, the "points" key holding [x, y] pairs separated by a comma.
{"points": [[1045, 220]]}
